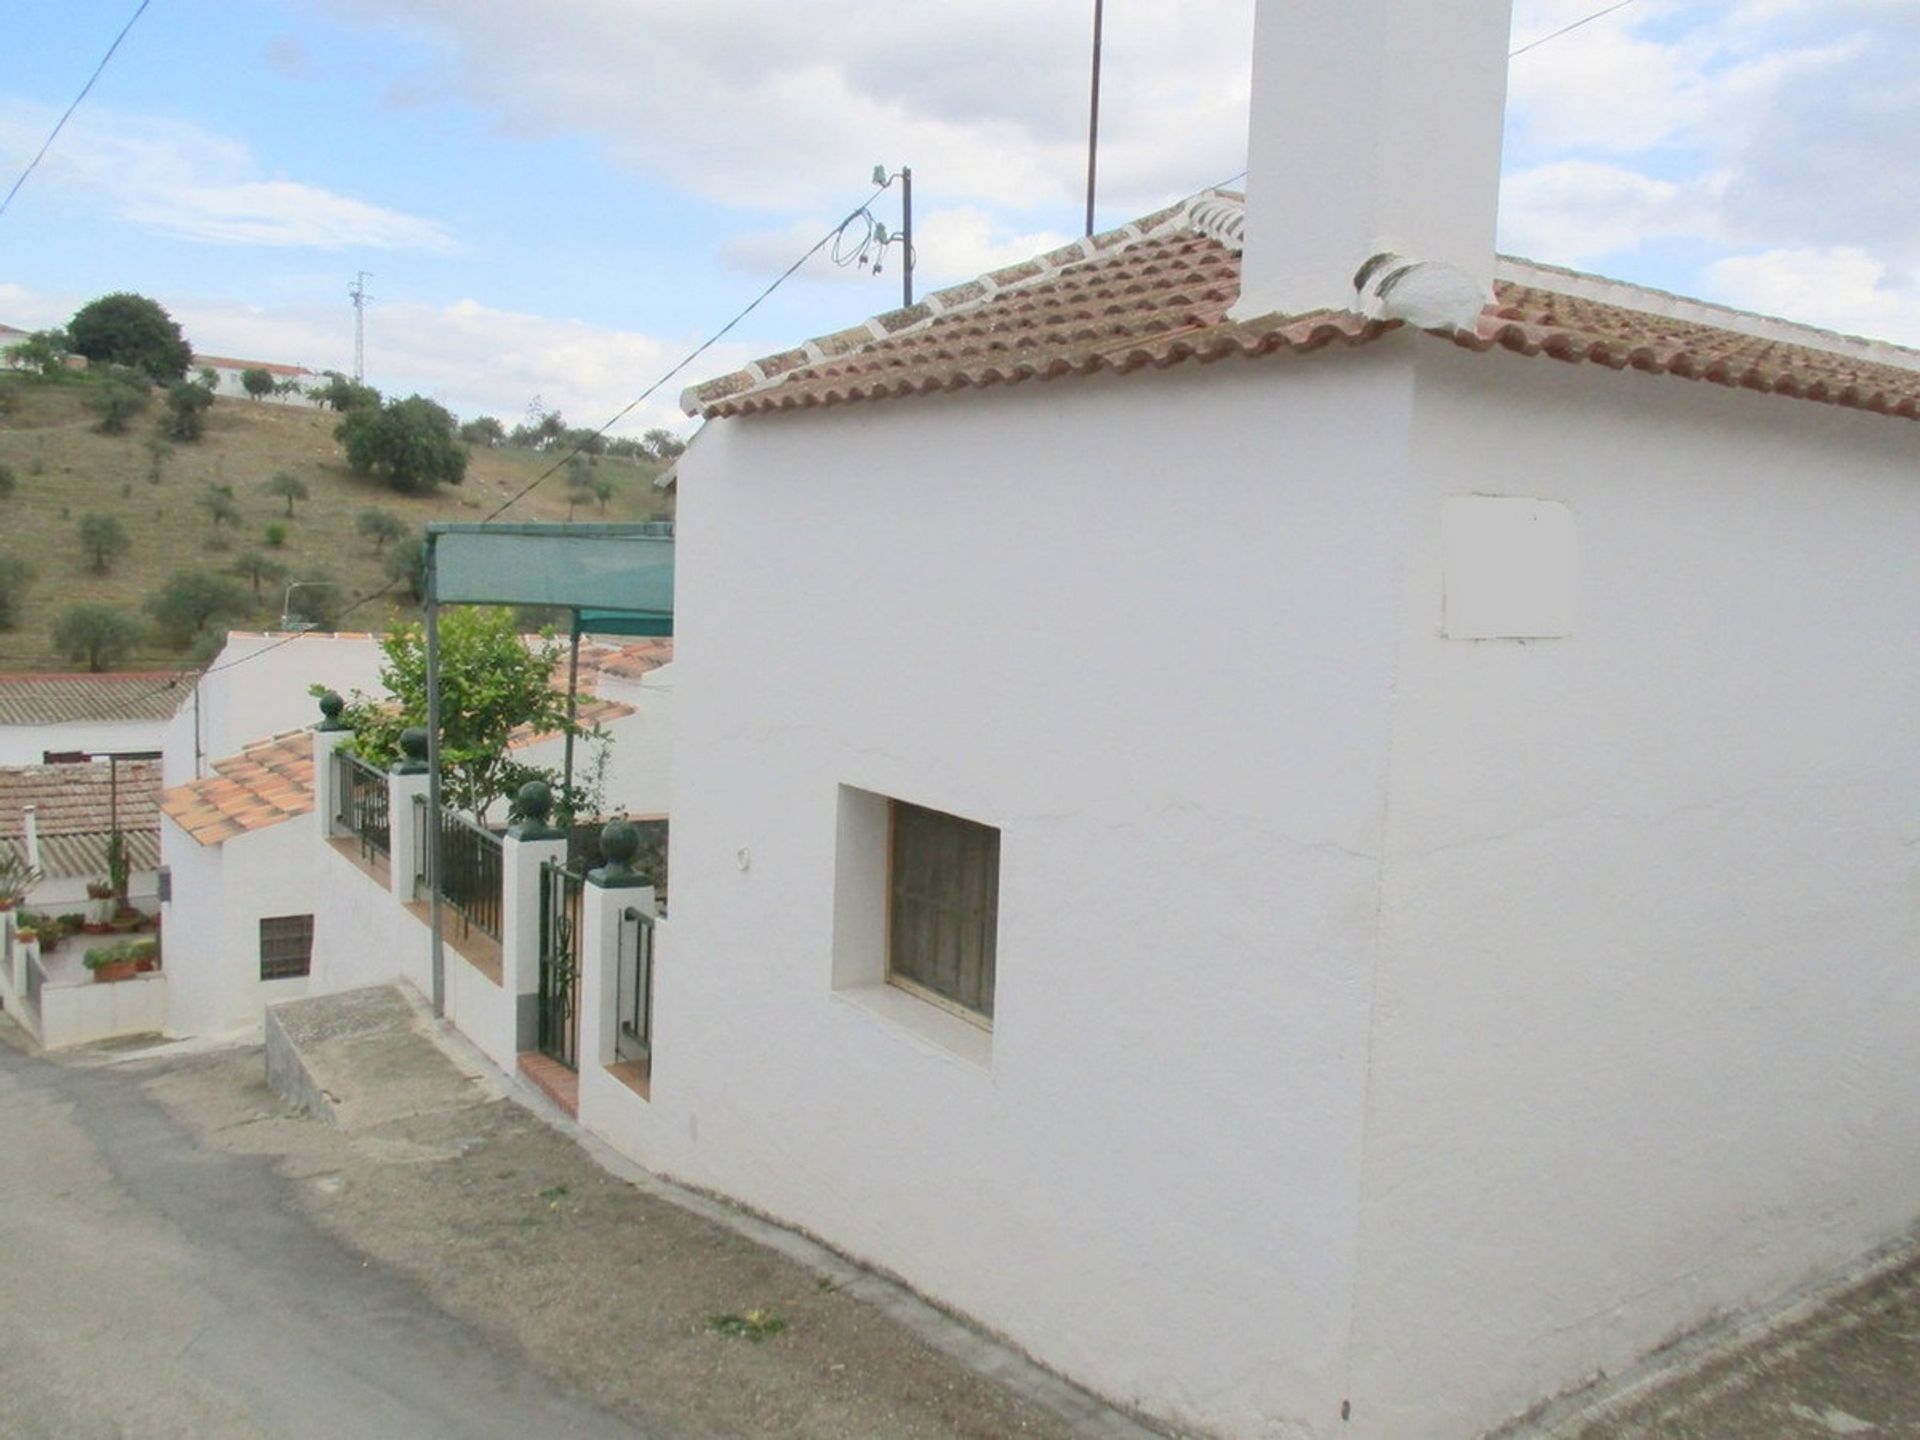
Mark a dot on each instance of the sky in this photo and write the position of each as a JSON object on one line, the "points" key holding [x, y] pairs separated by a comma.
{"points": [[555, 203]]}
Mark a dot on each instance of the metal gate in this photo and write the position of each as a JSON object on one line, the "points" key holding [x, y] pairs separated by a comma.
{"points": [[560, 902], [633, 1040]]}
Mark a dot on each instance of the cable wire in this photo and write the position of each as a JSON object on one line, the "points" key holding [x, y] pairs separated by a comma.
{"points": [[195, 676], [1568, 29], [34, 163]]}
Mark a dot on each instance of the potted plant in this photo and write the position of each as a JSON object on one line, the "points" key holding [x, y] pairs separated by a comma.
{"points": [[117, 867], [16, 877], [145, 954], [112, 962], [100, 908]]}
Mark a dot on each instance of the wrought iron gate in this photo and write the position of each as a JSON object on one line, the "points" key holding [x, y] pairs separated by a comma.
{"points": [[560, 902]]}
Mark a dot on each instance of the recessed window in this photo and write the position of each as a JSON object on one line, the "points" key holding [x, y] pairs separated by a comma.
{"points": [[943, 902], [286, 946]]}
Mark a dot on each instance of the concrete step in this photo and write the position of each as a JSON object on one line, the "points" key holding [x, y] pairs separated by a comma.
{"points": [[364, 1057]]}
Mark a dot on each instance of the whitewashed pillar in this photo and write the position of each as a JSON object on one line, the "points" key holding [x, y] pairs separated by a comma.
{"points": [[329, 735], [607, 940], [529, 845]]}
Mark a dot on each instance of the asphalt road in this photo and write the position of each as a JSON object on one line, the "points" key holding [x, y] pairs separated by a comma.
{"points": [[153, 1286]]}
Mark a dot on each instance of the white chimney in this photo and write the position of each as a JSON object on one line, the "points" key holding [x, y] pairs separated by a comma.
{"points": [[1375, 128]]}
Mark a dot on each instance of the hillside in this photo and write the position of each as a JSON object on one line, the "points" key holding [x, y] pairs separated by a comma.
{"points": [[65, 469]]}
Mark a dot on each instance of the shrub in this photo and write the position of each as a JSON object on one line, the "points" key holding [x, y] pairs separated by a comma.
{"points": [[97, 636], [193, 602], [408, 443], [128, 329], [104, 539], [187, 407], [16, 574], [256, 382], [276, 534]]}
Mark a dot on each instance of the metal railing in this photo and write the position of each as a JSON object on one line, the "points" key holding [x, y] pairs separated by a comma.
{"points": [[561, 900], [633, 1040], [422, 849], [470, 874], [361, 804]]}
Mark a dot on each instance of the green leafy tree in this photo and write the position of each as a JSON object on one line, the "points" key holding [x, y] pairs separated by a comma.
{"points": [[97, 636], [407, 564], [16, 574], [128, 329], [258, 383], [289, 485], [258, 569], [491, 683], [485, 432], [664, 444], [579, 482], [187, 407], [116, 397], [208, 379], [382, 527], [222, 509], [43, 350], [343, 394], [603, 489], [159, 452], [409, 443], [104, 539], [193, 602]]}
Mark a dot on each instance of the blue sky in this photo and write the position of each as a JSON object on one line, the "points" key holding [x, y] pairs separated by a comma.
{"points": [[555, 202]]}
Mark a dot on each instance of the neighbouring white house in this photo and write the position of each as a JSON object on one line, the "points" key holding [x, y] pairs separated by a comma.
{"points": [[239, 916], [230, 370], [269, 900], [1350, 866], [59, 819], [45, 715]]}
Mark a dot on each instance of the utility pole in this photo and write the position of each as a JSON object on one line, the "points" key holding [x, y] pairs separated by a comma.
{"points": [[358, 293], [1093, 120], [906, 236]]}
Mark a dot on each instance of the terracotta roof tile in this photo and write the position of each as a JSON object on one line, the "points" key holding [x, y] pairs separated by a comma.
{"points": [[264, 784], [1157, 293]]}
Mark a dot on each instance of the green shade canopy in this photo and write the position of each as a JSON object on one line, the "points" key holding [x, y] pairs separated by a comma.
{"points": [[618, 578]]}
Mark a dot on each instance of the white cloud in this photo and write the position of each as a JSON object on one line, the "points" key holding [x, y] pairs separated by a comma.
{"points": [[472, 358], [788, 106], [173, 178], [1841, 287], [1575, 211]]}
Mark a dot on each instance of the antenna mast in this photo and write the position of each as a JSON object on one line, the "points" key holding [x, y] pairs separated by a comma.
{"points": [[357, 292], [1093, 119]]}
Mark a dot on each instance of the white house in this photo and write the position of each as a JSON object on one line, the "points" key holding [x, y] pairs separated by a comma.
{"points": [[229, 371], [1340, 876], [44, 715]]}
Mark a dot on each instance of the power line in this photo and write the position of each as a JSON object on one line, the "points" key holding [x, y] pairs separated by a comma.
{"points": [[1568, 29], [194, 677], [53, 135], [692, 355]]}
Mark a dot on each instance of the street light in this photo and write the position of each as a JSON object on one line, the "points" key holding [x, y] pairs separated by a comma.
{"points": [[287, 622]]}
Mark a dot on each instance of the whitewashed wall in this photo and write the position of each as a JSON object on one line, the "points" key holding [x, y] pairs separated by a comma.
{"points": [[212, 924], [639, 776], [29, 744], [1648, 1032], [264, 694], [1147, 630]]}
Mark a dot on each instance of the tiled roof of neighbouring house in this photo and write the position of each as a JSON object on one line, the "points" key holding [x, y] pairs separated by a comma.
{"points": [[264, 784], [625, 662], [593, 712], [58, 699], [223, 362], [75, 808], [1157, 292]]}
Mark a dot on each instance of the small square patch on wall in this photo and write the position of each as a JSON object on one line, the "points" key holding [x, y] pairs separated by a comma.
{"points": [[1510, 568]]}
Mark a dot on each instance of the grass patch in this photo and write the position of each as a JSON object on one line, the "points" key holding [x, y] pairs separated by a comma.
{"points": [[755, 1325], [64, 469]]}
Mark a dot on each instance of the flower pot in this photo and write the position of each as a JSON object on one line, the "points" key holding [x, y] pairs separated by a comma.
{"points": [[97, 927], [116, 970]]}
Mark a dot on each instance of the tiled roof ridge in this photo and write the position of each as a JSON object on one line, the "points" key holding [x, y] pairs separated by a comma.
{"points": [[83, 677], [1214, 205]]}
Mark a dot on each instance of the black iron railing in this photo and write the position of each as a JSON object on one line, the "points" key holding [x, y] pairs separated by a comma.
{"points": [[422, 849], [561, 891], [634, 1038], [361, 804], [469, 877]]}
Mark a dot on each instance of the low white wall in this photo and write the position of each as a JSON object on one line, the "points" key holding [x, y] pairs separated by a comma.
{"points": [[79, 1014]]}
